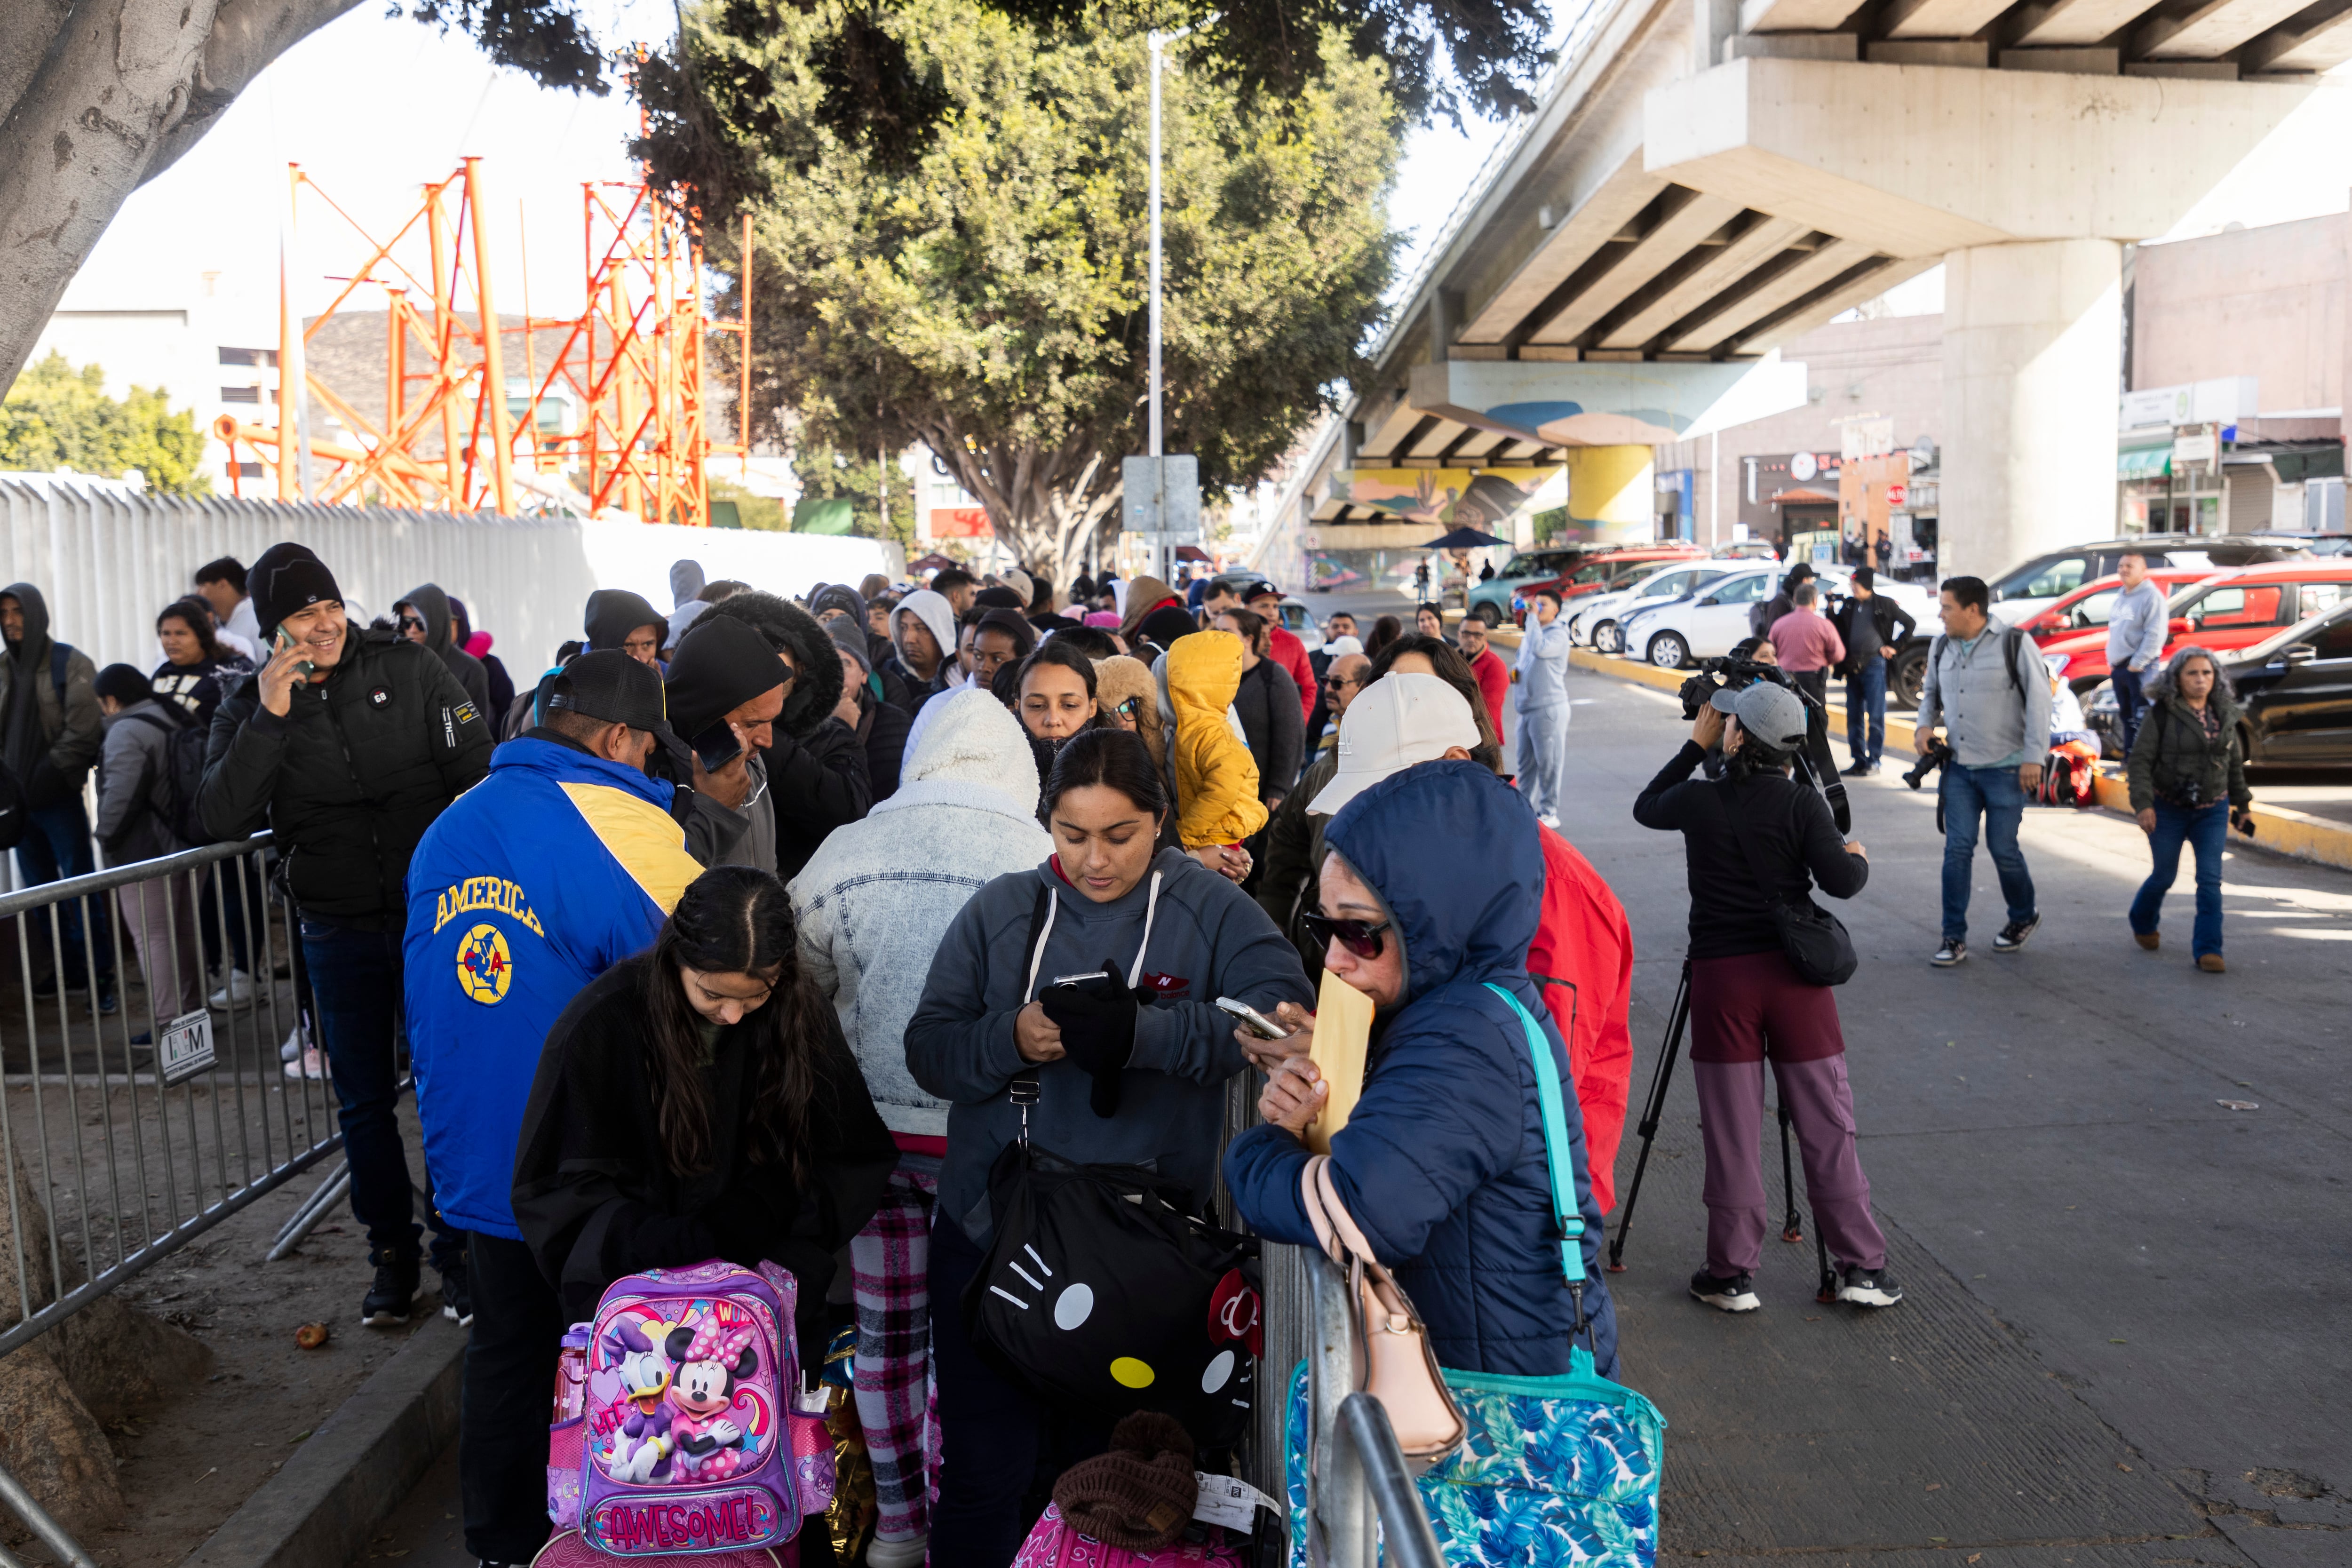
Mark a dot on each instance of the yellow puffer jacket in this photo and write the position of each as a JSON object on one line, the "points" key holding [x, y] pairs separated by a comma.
{"points": [[1216, 778]]}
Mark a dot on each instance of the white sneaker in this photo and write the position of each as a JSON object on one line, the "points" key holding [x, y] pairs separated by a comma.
{"points": [[237, 993], [885, 1553], [310, 1067], [293, 1045]]}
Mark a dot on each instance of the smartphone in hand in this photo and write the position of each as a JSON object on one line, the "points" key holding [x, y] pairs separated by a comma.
{"points": [[1250, 1018], [304, 667]]}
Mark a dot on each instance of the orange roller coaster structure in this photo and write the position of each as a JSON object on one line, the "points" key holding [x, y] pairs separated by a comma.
{"points": [[616, 426]]}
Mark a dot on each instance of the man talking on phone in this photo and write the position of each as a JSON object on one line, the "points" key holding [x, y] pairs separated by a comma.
{"points": [[564, 861], [347, 744]]}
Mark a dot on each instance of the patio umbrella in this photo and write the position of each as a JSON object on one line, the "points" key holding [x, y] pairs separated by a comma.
{"points": [[1465, 539]]}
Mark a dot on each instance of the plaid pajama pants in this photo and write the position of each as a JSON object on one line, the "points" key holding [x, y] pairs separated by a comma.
{"points": [[890, 1268]]}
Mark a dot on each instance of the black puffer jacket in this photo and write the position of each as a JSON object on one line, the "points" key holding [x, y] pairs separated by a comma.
{"points": [[351, 777], [2176, 760], [817, 777]]}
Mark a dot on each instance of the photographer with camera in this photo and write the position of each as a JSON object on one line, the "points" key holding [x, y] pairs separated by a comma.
{"points": [[2188, 778], [1989, 689], [1755, 841]]}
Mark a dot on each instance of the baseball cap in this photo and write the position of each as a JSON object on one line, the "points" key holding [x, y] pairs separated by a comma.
{"points": [[608, 684], [1396, 721], [1865, 576], [1768, 711], [1259, 589]]}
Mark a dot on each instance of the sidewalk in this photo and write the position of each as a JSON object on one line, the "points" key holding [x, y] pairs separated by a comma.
{"points": [[2282, 829]]}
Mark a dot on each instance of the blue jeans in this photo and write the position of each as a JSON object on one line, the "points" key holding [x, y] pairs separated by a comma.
{"points": [[56, 845], [2130, 705], [1995, 795], [2205, 828], [1865, 707], [355, 976]]}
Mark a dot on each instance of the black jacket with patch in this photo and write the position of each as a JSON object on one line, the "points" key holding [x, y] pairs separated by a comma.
{"points": [[351, 777]]}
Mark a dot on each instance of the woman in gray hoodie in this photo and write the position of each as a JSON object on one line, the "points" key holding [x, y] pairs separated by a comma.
{"points": [[1143, 1083]]}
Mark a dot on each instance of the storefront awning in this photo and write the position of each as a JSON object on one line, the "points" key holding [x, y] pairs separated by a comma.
{"points": [[2144, 462]]}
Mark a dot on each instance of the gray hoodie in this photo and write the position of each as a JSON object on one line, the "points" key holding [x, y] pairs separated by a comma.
{"points": [[134, 783], [1206, 939], [440, 634]]}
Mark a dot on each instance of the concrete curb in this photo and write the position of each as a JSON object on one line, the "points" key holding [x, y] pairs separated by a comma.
{"points": [[317, 1511], [2276, 828]]}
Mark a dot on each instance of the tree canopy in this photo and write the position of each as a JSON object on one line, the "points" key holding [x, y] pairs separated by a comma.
{"points": [[988, 298], [56, 416]]}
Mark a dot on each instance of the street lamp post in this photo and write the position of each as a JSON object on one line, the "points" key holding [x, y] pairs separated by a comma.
{"points": [[1159, 43]]}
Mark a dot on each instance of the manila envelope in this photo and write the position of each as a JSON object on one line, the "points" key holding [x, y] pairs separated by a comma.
{"points": [[1343, 1033]]}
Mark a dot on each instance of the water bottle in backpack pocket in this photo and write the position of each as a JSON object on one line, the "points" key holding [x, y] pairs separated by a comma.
{"points": [[687, 1438]]}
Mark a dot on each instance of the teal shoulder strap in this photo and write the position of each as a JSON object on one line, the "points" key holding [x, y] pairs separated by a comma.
{"points": [[1555, 1126]]}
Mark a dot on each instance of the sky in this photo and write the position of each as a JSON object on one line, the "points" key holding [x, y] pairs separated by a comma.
{"points": [[374, 106]]}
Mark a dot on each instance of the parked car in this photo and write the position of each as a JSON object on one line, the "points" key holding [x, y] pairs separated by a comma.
{"points": [[1707, 622], [1296, 617], [1596, 617], [1748, 550], [1492, 598], [1597, 572], [2233, 610], [2092, 605], [2031, 587], [2294, 690]]}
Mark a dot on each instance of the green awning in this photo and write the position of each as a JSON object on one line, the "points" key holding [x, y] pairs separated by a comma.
{"points": [[2144, 462]]}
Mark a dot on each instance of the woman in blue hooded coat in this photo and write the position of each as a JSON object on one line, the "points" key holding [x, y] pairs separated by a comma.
{"points": [[1433, 881]]}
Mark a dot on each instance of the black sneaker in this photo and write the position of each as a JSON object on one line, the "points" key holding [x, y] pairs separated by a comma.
{"points": [[388, 1300], [108, 1004], [1868, 1287], [1954, 950], [2013, 935], [1861, 770], [1736, 1294], [456, 1295]]}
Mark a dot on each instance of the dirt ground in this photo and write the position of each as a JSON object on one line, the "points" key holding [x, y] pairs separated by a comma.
{"points": [[189, 1463]]}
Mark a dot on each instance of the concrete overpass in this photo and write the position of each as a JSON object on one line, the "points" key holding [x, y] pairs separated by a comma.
{"points": [[1705, 179]]}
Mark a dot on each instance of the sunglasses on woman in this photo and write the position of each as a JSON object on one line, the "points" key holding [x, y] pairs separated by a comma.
{"points": [[1361, 938]]}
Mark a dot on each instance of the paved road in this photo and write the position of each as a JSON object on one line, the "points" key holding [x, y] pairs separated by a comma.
{"points": [[2123, 1342], [2124, 1338]]}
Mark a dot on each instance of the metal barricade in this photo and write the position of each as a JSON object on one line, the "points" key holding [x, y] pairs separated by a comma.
{"points": [[125, 1134]]}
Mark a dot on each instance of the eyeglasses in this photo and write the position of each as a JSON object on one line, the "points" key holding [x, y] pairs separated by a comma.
{"points": [[1131, 709], [1333, 682], [411, 624], [1361, 938]]}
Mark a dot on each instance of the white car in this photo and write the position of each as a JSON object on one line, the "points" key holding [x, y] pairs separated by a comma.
{"points": [[1705, 624], [1599, 617]]}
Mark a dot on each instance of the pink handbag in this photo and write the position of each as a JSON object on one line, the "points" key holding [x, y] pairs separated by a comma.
{"points": [[1394, 1362]]}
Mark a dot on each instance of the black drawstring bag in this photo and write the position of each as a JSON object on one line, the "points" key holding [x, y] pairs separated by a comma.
{"points": [[1096, 1294], [1816, 941]]}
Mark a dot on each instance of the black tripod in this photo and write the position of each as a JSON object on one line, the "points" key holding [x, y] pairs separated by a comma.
{"points": [[1654, 1111]]}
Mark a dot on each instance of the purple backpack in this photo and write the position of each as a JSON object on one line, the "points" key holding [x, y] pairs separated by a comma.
{"points": [[684, 1442]]}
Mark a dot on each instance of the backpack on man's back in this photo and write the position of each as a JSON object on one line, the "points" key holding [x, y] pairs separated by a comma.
{"points": [[183, 775]]}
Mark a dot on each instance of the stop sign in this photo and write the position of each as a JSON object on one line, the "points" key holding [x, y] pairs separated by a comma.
{"points": [[1894, 494]]}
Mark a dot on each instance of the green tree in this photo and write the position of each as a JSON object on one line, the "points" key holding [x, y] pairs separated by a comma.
{"points": [[59, 417], [987, 298], [827, 474]]}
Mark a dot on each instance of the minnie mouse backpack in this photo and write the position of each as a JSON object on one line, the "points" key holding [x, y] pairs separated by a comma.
{"points": [[686, 1439]]}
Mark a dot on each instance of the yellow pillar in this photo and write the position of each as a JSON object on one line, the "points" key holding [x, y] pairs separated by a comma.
{"points": [[1611, 494]]}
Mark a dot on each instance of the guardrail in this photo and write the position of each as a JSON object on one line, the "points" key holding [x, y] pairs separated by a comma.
{"points": [[1360, 1500], [126, 1133]]}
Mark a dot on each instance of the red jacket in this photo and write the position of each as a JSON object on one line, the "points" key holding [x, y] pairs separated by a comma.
{"points": [[1291, 653], [1583, 962], [1494, 685]]}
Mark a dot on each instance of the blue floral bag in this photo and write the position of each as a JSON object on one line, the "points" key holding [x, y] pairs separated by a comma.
{"points": [[1556, 1472]]}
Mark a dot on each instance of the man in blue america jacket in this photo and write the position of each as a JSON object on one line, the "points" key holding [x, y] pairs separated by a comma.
{"points": [[563, 861]]}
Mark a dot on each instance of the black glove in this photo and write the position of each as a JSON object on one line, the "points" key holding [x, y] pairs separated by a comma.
{"points": [[1098, 1023]]}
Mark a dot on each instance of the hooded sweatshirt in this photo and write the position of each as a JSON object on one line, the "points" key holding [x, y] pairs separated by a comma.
{"points": [[938, 618], [1186, 936], [537, 880], [50, 742], [614, 613], [1443, 1162], [432, 604], [875, 900], [1216, 778], [816, 764]]}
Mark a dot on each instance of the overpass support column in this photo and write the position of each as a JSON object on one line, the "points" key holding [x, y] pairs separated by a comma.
{"points": [[2033, 351], [1612, 492]]}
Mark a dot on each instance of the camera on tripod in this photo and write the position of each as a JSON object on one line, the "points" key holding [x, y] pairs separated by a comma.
{"points": [[1937, 755]]}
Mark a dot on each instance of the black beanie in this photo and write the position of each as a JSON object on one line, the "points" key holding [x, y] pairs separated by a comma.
{"points": [[614, 613], [125, 684], [720, 665], [288, 578]]}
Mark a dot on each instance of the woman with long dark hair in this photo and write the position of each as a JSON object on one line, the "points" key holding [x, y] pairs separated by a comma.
{"points": [[698, 1102], [193, 660], [1136, 1076], [2186, 772]]}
